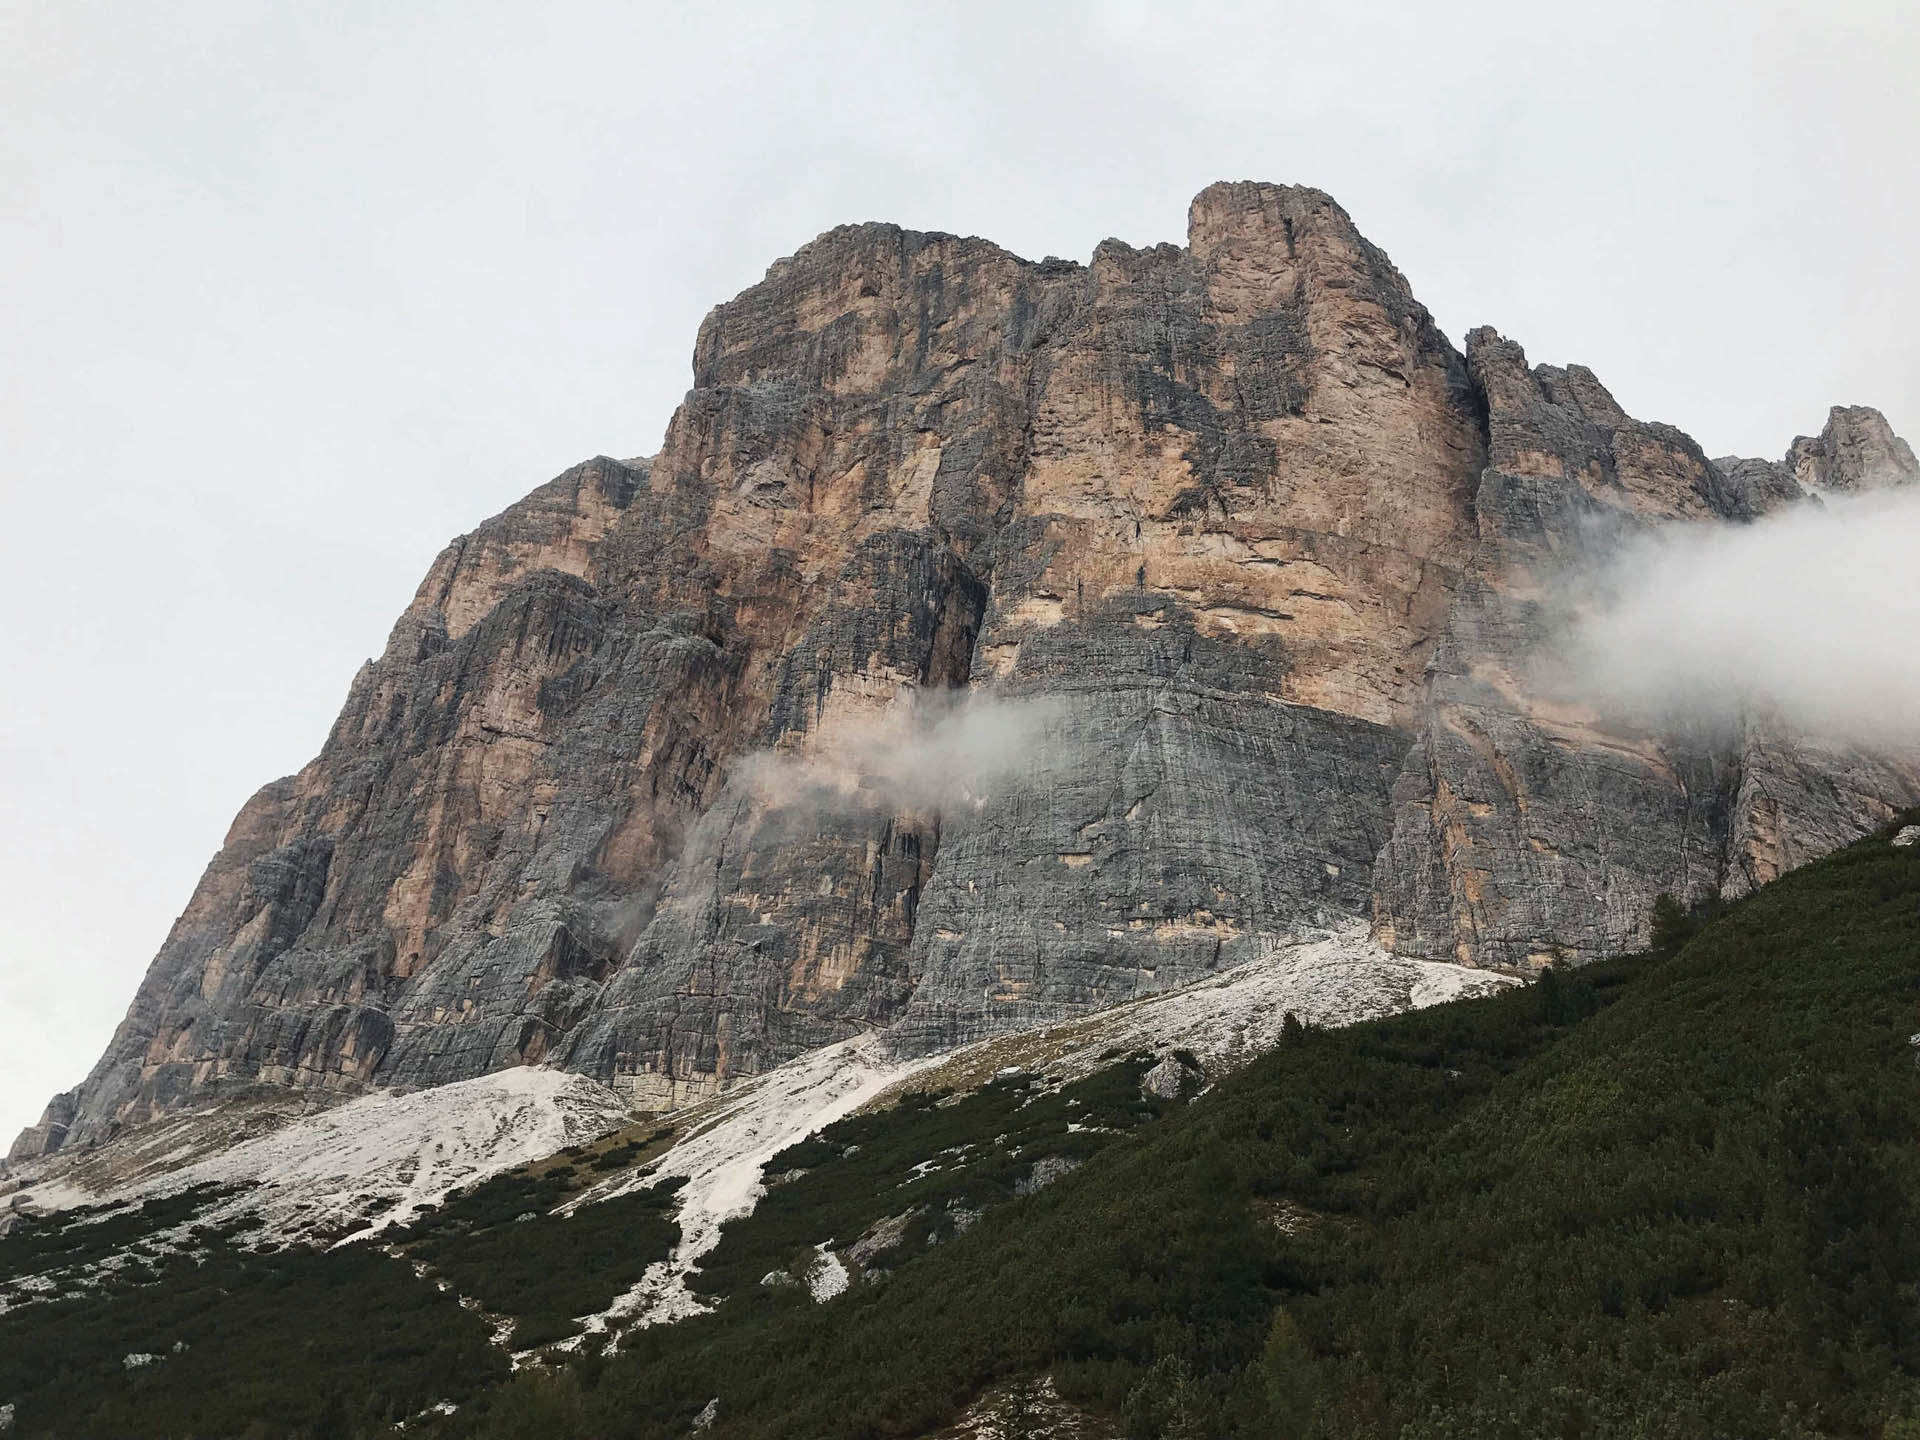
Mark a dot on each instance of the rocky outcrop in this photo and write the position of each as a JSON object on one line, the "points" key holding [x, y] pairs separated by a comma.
{"points": [[1757, 487], [1856, 451], [1528, 829], [651, 779], [1797, 797], [46, 1136]]}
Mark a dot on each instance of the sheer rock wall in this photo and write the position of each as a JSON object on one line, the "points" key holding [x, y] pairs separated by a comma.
{"points": [[1270, 557]]}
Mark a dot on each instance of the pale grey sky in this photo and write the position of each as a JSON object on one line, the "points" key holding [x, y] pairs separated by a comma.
{"points": [[292, 294]]}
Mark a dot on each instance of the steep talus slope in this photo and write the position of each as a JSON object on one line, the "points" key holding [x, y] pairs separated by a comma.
{"points": [[1257, 555]]}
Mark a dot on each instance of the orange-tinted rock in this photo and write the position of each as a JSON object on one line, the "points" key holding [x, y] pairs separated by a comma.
{"points": [[1260, 553]]}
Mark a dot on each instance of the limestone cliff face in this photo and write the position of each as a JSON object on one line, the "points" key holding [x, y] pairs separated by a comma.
{"points": [[1263, 552], [1524, 830], [1529, 831], [1857, 451]]}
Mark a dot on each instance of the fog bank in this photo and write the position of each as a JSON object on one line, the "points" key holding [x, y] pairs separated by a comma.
{"points": [[1813, 612]]}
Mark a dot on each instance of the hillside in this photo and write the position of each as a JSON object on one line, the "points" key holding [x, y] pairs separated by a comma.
{"points": [[1667, 1195]]}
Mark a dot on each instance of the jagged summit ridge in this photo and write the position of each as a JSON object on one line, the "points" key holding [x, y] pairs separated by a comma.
{"points": [[1855, 451], [1236, 511]]}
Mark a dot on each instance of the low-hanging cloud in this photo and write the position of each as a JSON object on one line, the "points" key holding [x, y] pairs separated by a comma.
{"points": [[1812, 613], [925, 750], [936, 750]]}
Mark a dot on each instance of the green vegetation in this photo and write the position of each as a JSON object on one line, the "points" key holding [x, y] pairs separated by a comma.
{"points": [[295, 1343], [1659, 1197], [499, 1244], [1146, 1283], [939, 1159], [1675, 1195], [86, 1233], [306, 1342]]}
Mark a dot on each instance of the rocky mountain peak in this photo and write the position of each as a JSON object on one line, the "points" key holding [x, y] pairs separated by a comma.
{"points": [[1256, 211], [1243, 530], [1856, 450], [1561, 424]]}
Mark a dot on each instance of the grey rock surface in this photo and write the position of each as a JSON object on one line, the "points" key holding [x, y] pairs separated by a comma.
{"points": [[1757, 487], [884, 1235], [1044, 1171], [648, 780], [1527, 831], [1164, 1080], [1857, 450]]}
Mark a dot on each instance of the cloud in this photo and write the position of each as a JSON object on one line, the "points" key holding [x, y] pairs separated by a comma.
{"points": [[932, 750], [927, 750], [1813, 612]]}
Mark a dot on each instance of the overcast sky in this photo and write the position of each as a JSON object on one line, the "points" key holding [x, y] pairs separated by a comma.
{"points": [[292, 294]]}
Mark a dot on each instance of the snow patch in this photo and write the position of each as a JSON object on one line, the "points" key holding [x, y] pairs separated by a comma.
{"points": [[383, 1157], [733, 1138]]}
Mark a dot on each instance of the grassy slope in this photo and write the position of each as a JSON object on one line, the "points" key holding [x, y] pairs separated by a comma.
{"points": [[300, 1342], [309, 1342], [1665, 1198], [1695, 1212]]}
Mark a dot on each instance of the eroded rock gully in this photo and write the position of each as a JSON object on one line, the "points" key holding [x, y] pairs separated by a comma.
{"points": [[1269, 549]]}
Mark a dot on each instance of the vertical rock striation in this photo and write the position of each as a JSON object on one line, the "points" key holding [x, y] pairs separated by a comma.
{"points": [[1245, 505], [1267, 561], [1527, 829]]}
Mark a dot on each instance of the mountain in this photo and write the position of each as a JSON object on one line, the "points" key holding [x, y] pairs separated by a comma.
{"points": [[1670, 1195], [1242, 569]]}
